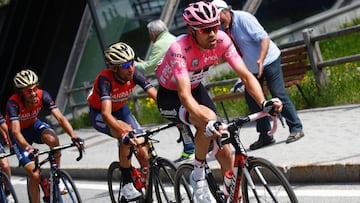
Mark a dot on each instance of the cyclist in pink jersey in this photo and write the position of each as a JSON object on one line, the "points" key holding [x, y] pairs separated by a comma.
{"points": [[22, 112], [181, 96]]}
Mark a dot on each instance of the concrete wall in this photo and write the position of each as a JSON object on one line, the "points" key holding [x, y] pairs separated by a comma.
{"points": [[324, 22]]}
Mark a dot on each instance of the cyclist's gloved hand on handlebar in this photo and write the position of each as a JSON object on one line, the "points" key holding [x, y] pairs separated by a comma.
{"points": [[32, 152], [79, 142], [213, 128], [272, 106], [127, 137]]}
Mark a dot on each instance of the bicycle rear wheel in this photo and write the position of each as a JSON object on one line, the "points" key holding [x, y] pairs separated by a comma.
{"points": [[64, 189], [6, 188], [270, 185], [162, 174], [182, 188]]}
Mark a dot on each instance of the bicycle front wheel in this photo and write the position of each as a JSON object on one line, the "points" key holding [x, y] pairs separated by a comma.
{"points": [[114, 179], [182, 188], [6, 188], [162, 173], [64, 189], [265, 183]]}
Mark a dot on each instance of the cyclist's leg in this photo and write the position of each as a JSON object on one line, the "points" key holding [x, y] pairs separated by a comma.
{"points": [[224, 156], [140, 152], [128, 190], [34, 177], [46, 135], [4, 163]]}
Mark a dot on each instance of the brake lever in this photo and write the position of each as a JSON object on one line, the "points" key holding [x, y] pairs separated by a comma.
{"points": [[281, 119]]}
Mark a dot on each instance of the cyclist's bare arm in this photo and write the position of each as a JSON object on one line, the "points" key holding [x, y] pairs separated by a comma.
{"points": [[64, 123], [152, 92], [250, 82], [16, 131], [5, 132], [117, 126]]}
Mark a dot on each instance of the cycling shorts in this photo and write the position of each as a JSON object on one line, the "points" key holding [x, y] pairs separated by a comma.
{"points": [[124, 114], [31, 134], [170, 107]]}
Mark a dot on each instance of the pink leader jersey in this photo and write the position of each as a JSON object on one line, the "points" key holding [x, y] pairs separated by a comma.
{"points": [[185, 59]]}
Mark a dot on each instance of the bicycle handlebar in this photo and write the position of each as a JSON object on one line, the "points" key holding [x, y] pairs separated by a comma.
{"points": [[58, 148], [145, 135], [238, 122], [155, 130], [4, 155]]}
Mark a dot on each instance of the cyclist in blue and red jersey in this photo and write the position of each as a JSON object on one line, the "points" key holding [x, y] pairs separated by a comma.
{"points": [[182, 97], [25, 128], [109, 112]]}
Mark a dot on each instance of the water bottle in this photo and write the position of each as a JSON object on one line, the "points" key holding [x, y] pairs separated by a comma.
{"points": [[45, 187], [144, 171], [136, 174]]}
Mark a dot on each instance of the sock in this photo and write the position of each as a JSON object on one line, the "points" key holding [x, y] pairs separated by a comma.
{"points": [[126, 175], [199, 170]]}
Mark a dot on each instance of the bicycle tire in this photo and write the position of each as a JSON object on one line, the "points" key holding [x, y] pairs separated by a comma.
{"points": [[162, 174], [6, 188], [69, 194], [276, 183], [114, 180], [182, 188]]}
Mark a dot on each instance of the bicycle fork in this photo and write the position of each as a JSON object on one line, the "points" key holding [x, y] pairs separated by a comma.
{"points": [[252, 184]]}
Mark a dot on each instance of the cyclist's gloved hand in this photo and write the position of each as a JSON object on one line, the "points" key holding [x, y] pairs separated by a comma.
{"points": [[79, 142], [268, 106], [211, 126], [126, 136], [32, 152]]}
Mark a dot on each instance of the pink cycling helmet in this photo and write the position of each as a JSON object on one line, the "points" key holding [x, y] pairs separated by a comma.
{"points": [[200, 13]]}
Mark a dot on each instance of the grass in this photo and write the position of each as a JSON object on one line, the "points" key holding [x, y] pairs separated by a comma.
{"points": [[343, 87]]}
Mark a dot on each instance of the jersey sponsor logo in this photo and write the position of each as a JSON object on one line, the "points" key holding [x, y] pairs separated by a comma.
{"points": [[211, 58], [197, 76], [231, 52], [166, 73], [187, 49], [25, 115], [178, 55], [121, 96], [168, 112], [181, 64], [195, 62]]}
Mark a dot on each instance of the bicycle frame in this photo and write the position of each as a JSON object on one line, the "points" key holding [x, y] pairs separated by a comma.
{"points": [[152, 157], [157, 166], [55, 173], [241, 159]]}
